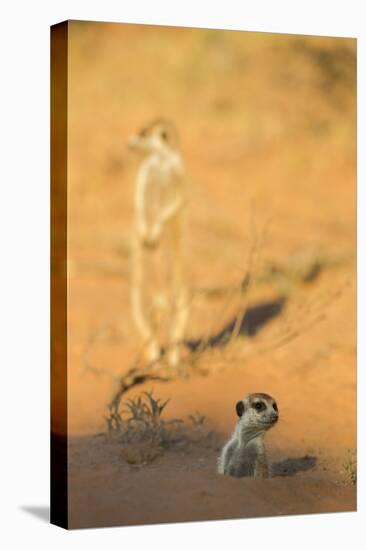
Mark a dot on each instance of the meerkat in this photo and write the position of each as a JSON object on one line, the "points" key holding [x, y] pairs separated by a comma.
{"points": [[244, 454], [158, 281]]}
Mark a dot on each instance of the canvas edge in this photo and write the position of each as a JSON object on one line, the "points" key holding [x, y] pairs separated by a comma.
{"points": [[58, 252]]}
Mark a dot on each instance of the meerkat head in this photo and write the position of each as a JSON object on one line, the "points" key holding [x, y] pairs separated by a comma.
{"points": [[258, 412], [160, 136]]}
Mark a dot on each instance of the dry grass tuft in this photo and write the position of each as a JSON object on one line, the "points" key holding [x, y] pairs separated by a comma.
{"points": [[144, 434], [140, 453], [350, 467]]}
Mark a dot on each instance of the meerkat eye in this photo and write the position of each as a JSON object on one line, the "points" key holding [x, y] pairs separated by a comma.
{"points": [[164, 135], [143, 133], [259, 406], [275, 407]]}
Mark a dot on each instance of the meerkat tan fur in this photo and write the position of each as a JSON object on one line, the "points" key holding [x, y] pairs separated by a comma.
{"points": [[158, 281], [244, 454]]}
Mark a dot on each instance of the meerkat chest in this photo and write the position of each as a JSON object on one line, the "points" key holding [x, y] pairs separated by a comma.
{"points": [[163, 171], [161, 179], [254, 449]]}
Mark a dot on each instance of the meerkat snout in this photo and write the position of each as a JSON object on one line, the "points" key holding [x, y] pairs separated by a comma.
{"points": [[244, 453]]}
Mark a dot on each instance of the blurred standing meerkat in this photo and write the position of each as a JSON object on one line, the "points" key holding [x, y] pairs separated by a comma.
{"points": [[158, 282], [244, 454]]}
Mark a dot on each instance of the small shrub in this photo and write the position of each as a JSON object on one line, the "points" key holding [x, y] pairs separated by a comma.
{"points": [[142, 431]]}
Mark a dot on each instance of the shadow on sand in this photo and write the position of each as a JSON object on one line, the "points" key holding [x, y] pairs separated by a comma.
{"points": [[292, 466], [251, 321]]}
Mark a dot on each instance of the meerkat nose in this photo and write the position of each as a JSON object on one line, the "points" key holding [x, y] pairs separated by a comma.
{"points": [[274, 417]]}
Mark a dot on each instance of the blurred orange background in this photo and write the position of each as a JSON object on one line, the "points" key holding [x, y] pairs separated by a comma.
{"points": [[267, 130]]}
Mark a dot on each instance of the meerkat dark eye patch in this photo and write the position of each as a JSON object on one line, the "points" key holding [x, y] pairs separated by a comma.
{"points": [[143, 133], [259, 406], [164, 135], [240, 408], [275, 407]]}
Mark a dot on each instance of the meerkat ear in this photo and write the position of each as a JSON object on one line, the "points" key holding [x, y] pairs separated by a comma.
{"points": [[240, 408]]}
